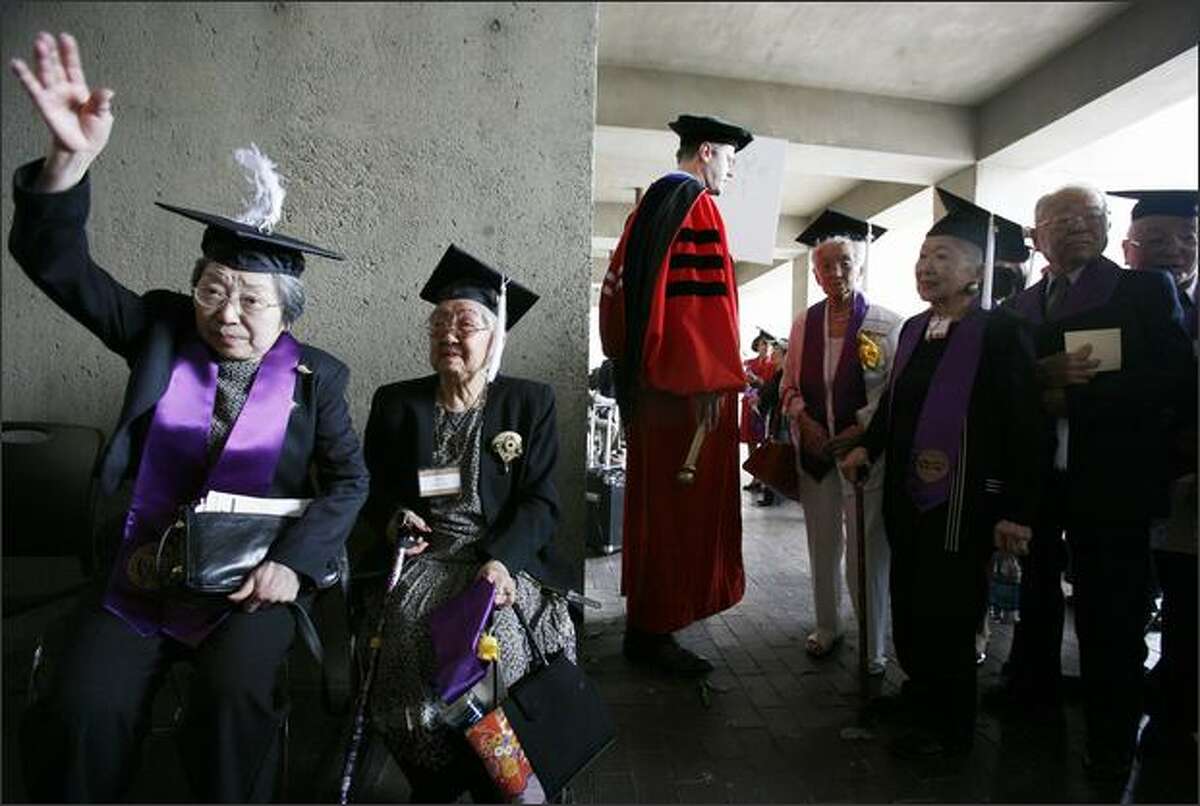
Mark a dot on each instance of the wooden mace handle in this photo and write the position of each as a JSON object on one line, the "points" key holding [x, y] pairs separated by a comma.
{"points": [[687, 473]]}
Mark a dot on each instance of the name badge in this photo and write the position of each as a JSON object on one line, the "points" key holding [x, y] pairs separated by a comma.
{"points": [[435, 481]]}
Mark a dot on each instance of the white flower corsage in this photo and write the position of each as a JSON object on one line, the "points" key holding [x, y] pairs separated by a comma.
{"points": [[507, 446]]}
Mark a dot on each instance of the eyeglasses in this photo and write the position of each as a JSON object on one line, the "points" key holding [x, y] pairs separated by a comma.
{"points": [[1156, 242], [463, 325], [214, 299], [1061, 223]]}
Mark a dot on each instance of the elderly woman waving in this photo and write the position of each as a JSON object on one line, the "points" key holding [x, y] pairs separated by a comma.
{"points": [[466, 458], [959, 424], [220, 397]]}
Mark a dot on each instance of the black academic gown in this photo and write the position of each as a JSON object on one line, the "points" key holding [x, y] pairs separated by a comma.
{"points": [[1118, 468], [938, 572], [49, 241], [520, 504]]}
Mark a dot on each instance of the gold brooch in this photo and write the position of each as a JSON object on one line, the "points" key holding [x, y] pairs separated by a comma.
{"points": [[870, 354]]}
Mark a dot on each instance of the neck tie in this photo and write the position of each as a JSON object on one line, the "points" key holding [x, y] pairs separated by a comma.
{"points": [[1058, 290]]}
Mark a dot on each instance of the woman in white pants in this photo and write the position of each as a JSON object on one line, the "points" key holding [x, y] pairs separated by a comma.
{"points": [[837, 366]]}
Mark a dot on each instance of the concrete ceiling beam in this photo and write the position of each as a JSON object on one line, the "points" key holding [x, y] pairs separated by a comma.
{"points": [[639, 98], [1136, 63]]}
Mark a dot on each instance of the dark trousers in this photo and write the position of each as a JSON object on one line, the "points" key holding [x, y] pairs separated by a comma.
{"points": [[1176, 697], [1035, 660], [1112, 567], [936, 597], [82, 740]]}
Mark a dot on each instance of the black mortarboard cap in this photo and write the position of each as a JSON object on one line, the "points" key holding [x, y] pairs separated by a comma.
{"points": [[1010, 236], [704, 129], [246, 248], [461, 275], [762, 334], [831, 223], [966, 221], [1179, 203]]}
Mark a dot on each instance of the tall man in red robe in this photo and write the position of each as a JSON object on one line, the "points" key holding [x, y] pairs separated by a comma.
{"points": [[669, 319]]}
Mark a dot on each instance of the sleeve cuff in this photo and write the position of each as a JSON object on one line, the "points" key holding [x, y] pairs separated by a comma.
{"points": [[72, 203]]}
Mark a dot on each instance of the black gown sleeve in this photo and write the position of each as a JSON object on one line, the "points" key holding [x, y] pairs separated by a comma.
{"points": [[49, 241]]}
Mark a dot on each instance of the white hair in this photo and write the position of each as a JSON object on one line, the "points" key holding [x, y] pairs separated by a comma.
{"points": [[858, 249], [1071, 190]]}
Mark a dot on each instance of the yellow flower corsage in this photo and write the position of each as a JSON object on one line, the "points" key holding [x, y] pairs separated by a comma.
{"points": [[488, 649], [870, 355]]}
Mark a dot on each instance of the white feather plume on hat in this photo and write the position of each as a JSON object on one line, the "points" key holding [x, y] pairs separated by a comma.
{"points": [[264, 209]]}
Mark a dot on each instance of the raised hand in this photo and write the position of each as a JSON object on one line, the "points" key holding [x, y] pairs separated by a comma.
{"points": [[79, 119]]}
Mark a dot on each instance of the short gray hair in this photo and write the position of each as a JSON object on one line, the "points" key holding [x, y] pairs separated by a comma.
{"points": [[1077, 189], [289, 289], [858, 249]]}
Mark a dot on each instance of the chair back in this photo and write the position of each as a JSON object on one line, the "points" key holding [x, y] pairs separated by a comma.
{"points": [[49, 493]]}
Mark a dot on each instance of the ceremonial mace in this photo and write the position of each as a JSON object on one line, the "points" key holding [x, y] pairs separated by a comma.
{"points": [[687, 473], [405, 540]]}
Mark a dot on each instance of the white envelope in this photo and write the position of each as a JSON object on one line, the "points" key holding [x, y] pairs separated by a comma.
{"points": [[1106, 346]]}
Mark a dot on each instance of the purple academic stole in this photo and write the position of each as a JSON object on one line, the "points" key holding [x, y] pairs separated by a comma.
{"points": [[849, 391], [174, 471], [938, 440]]}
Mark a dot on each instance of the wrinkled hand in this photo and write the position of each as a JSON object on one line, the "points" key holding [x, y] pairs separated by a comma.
{"points": [[269, 583], [814, 439], [1012, 537], [406, 519], [506, 589], [841, 443], [79, 119], [854, 463], [1063, 369], [1054, 401], [706, 407]]}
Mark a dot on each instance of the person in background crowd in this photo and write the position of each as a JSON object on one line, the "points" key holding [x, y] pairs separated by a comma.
{"points": [[957, 424], [1111, 354], [669, 316], [775, 426], [842, 351], [752, 428], [1162, 237]]}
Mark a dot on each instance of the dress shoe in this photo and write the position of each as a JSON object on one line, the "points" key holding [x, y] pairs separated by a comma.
{"points": [[665, 653]]}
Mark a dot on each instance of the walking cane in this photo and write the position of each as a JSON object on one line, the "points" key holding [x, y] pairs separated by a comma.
{"points": [[404, 540], [861, 536]]}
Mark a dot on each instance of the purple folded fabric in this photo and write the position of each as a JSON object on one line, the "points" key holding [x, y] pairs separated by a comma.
{"points": [[454, 628]]}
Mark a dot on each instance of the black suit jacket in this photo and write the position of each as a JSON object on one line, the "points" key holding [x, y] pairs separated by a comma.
{"points": [[520, 506], [49, 241], [1004, 434], [1117, 446]]}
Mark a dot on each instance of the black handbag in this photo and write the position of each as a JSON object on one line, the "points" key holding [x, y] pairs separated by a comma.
{"points": [[559, 717], [210, 554]]}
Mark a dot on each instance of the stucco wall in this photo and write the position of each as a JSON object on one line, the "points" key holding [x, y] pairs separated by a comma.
{"points": [[399, 128]]}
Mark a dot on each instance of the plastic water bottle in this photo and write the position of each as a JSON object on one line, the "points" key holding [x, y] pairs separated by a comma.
{"points": [[468, 708], [1005, 597]]}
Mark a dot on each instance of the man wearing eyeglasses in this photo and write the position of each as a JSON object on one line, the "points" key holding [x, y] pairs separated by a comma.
{"points": [[1162, 237], [1111, 353]]}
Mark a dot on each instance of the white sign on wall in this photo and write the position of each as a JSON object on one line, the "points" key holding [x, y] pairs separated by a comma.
{"points": [[750, 203]]}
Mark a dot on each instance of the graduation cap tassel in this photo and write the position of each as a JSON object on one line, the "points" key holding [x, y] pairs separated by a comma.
{"points": [[501, 330], [265, 207], [989, 260]]}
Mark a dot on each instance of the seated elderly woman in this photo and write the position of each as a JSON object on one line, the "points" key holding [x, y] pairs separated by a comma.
{"points": [[220, 397], [959, 424], [495, 519]]}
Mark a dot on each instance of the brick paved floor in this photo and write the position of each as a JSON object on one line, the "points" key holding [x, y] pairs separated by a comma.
{"points": [[775, 726]]}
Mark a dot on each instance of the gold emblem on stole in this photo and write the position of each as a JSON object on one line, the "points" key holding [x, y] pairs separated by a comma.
{"points": [[932, 465]]}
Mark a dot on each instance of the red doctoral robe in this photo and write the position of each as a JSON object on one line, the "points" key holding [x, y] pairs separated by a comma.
{"points": [[668, 317]]}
